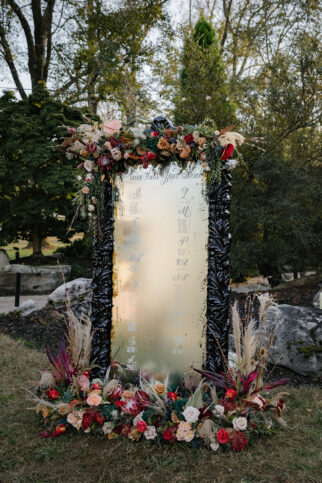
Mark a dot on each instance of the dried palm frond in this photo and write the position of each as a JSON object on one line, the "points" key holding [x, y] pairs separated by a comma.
{"points": [[249, 347], [79, 336], [236, 330], [265, 302]]}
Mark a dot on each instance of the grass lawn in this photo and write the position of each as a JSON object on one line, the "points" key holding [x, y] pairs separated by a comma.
{"points": [[52, 244], [293, 455]]}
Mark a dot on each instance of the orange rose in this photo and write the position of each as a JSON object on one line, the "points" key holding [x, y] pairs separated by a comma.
{"points": [[160, 388], [163, 144], [94, 399], [185, 152]]}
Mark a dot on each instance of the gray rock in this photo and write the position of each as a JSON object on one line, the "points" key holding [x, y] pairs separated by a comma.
{"points": [[28, 307], [34, 279], [4, 260], [78, 290], [298, 338]]}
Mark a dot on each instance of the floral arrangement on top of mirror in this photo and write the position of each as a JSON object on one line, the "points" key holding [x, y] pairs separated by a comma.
{"points": [[107, 150], [226, 410]]}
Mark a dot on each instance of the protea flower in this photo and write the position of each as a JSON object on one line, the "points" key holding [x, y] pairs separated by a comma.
{"points": [[131, 407]]}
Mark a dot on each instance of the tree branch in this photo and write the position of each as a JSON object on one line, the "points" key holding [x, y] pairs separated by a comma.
{"points": [[9, 59], [30, 41]]}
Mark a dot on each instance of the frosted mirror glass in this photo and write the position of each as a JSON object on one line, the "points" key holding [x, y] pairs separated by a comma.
{"points": [[160, 269]]}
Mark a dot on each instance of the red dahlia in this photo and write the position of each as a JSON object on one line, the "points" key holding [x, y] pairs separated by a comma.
{"points": [[237, 440]]}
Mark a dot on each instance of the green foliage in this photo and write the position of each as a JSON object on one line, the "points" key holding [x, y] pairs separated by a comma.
{"points": [[276, 197], [68, 396], [78, 249], [202, 92], [36, 180]]}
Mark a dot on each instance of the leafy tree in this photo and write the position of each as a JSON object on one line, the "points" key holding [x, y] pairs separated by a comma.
{"points": [[276, 195], [202, 91], [36, 180]]}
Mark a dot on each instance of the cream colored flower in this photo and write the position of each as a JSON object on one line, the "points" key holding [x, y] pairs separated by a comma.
{"points": [[231, 138], [89, 165], [195, 136], [218, 410], [150, 432], [107, 428], [116, 154], [47, 379], [85, 190], [191, 414], [89, 178], [214, 445], [91, 208], [75, 419], [206, 429], [64, 409], [185, 432], [240, 424], [94, 399], [201, 142]]}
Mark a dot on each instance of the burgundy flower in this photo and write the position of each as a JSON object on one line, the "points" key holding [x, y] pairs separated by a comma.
{"points": [[238, 440], [91, 147], [189, 138], [116, 393], [87, 419]]}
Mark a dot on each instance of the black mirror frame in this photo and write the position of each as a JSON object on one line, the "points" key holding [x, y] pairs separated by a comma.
{"points": [[217, 314]]}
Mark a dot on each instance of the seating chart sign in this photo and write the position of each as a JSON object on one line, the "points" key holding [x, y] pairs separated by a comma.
{"points": [[160, 270]]}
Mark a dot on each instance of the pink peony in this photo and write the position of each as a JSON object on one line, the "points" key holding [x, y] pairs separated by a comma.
{"points": [[111, 127]]}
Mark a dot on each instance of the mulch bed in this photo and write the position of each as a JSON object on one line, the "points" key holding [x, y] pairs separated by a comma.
{"points": [[48, 327]]}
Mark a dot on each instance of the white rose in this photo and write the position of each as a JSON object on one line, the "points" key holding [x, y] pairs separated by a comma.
{"points": [[240, 423], [216, 133], [219, 410], [191, 414], [150, 432], [91, 208], [107, 428], [79, 178], [89, 178], [116, 153], [214, 445], [89, 165]]}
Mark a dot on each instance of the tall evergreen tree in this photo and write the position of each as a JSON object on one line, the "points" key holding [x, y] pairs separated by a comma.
{"points": [[35, 179], [202, 92]]}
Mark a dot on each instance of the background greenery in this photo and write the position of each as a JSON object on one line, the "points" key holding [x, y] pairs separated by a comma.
{"points": [[253, 64]]}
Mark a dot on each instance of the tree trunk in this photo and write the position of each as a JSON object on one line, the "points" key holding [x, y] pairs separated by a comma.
{"points": [[36, 241]]}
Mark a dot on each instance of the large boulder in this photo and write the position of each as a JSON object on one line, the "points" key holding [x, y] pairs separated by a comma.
{"points": [[27, 307], [78, 291], [298, 338]]}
